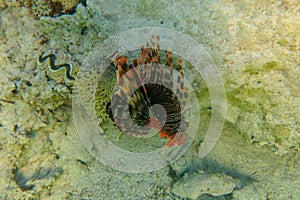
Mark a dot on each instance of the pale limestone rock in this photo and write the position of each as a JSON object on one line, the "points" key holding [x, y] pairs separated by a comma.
{"points": [[194, 185]]}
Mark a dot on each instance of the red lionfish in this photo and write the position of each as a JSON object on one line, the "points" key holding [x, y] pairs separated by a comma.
{"points": [[170, 122]]}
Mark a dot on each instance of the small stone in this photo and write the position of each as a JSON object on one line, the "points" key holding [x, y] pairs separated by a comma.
{"points": [[247, 192], [195, 184]]}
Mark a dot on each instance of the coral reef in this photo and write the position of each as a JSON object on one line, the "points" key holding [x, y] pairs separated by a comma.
{"points": [[76, 34], [256, 46], [51, 8], [32, 107]]}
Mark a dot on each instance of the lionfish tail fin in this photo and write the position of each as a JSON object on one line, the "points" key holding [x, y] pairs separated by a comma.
{"points": [[178, 138]]}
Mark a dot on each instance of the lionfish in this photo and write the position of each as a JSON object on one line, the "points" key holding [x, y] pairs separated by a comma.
{"points": [[169, 121]]}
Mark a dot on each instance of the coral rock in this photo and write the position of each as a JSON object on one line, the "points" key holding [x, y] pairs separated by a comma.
{"points": [[194, 185]]}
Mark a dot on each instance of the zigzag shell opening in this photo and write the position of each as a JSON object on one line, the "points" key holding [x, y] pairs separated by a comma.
{"points": [[58, 66]]}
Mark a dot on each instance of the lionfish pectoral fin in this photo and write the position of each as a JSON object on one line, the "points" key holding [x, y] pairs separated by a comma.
{"points": [[163, 134], [178, 138]]}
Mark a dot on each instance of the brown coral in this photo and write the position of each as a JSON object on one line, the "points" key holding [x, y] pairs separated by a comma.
{"points": [[53, 8]]}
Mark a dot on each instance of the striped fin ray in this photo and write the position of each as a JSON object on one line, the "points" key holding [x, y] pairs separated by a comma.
{"points": [[154, 83], [181, 89]]}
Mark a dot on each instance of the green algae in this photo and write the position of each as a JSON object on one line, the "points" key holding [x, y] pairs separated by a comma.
{"points": [[242, 97], [255, 109], [104, 93], [249, 97], [253, 69], [150, 8]]}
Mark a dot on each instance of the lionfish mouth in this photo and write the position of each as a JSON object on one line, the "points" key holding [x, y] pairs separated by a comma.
{"points": [[159, 98]]}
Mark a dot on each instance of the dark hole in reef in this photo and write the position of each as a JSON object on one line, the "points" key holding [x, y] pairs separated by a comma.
{"points": [[16, 127], [43, 39], [28, 83], [84, 31], [30, 134], [15, 90], [83, 2]]}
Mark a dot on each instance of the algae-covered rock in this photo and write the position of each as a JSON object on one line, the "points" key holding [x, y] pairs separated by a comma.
{"points": [[76, 34], [195, 184], [247, 192], [264, 105], [51, 8]]}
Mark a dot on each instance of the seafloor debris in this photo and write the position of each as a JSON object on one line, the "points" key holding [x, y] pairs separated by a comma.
{"points": [[22, 180], [195, 184]]}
